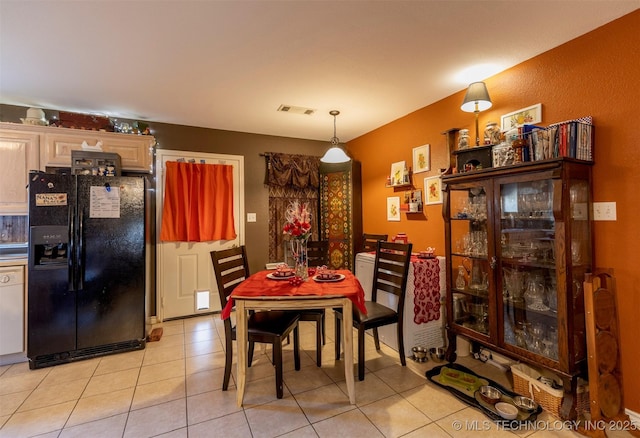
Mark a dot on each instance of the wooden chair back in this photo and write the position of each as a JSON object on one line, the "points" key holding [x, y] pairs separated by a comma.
{"points": [[391, 270], [370, 241], [230, 267], [318, 253]]}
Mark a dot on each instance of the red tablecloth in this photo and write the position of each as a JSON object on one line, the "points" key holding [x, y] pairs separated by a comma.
{"points": [[259, 285]]}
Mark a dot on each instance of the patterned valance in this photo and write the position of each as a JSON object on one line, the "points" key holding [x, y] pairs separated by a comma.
{"points": [[295, 171]]}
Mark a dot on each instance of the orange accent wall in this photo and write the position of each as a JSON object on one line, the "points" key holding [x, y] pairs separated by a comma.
{"points": [[597, 74]]}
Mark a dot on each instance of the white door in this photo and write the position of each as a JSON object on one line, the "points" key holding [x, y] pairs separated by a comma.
{"points": [[186, 284]]}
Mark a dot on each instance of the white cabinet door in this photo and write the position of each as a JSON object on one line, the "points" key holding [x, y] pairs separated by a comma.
{"points": [[18, 155], [135, 150]]}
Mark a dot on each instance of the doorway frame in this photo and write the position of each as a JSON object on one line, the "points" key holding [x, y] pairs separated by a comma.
{"points": [[161, 154]]}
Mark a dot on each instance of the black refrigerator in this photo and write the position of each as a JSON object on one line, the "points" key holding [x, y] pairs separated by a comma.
{"points": [[86, 282]]}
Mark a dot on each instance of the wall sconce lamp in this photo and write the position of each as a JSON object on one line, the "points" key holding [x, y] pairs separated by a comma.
{"points": [[477, 99], [335, 154]]}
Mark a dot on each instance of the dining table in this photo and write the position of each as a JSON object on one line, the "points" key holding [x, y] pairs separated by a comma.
{"points": [[266, 291]]}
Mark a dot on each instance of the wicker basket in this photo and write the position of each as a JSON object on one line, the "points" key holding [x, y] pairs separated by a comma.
{"points": [[525, 382]]}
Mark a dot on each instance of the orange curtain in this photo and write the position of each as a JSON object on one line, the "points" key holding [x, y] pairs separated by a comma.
{"points": [[198, 203]]}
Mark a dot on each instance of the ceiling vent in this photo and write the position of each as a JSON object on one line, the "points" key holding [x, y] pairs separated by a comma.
{"points": [[296, 110]]}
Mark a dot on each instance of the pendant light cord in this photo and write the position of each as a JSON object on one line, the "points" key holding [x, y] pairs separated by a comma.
{"points": [[334, 140]]}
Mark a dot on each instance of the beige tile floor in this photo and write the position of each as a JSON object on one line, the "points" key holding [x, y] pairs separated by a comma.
{"points": [[173, 389]]}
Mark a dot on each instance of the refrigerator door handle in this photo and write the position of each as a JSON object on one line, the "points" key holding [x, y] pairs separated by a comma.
{"points": [[80, 260], [71, 251]]}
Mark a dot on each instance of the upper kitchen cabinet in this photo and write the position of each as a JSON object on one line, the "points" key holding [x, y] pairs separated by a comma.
{"points": [[136, 151], [55, 146], [19, 153]]}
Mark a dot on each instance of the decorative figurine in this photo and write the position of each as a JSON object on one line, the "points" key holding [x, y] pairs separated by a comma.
{"points": [[463, 140]]}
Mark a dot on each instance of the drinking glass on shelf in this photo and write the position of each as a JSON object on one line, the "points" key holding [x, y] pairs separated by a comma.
{"points": [[534, 293], [552, 294], [552, 339], [478, 243], [522, 334], [479, 207], [514, 280], [468, 243], [538, 330], [509, 335], [547, 349]]}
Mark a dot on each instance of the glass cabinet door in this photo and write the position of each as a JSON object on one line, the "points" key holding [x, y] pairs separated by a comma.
{"points": [[528, 278], [471, 276], [580, 261]]}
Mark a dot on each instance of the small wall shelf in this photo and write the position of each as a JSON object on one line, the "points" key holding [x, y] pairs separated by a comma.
{"points": [[398, 186]]}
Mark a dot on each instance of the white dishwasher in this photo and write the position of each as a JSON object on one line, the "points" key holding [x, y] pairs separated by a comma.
{"points": [[11, 309]]}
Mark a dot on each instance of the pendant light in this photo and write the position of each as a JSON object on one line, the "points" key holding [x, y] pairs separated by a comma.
{"points": [[335, 154]]}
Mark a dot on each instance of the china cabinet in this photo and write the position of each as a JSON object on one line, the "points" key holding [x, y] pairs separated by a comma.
{"points": [[518, 245]]}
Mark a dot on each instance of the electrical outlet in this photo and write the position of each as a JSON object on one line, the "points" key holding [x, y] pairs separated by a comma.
{"points": [[604, 211], [251, 217]]}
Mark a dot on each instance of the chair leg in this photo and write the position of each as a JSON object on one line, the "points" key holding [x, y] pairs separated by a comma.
{"points": [[227, 364], [403, 360], [250, 353], [360, 353], [376, 339], [324, 336], [319, 342], [296, 348], [277, 361], [337, 332]]}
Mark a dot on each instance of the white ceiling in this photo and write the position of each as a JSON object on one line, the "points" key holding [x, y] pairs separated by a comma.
{"points": [[230, 64]]}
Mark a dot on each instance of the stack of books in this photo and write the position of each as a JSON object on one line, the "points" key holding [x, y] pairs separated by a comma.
{"points": [[572, 138]]}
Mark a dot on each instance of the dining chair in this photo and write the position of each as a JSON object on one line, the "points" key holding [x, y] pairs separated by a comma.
{"points": [[369, 241], [317, 255], [389, 275], [270, 327]]}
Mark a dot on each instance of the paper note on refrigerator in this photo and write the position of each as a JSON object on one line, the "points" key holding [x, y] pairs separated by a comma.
{"points": [[104, 202]]}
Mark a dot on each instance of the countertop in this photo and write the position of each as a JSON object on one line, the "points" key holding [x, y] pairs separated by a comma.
{"points": [[13, 261]]}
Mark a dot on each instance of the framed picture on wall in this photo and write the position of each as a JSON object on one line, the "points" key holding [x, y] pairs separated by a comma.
{"points": [[421, 159], [529, 115], [433, 190], [393, 209], [397, 173]]}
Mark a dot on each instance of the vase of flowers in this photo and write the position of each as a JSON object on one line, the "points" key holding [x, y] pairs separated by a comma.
{"points": [[298, 227]]}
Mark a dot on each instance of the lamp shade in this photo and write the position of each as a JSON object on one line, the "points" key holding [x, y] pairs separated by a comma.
{"points": [[335, 155], [476, 94]]}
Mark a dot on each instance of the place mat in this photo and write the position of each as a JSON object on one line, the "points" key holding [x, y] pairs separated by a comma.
{"points": [[464, 383]]}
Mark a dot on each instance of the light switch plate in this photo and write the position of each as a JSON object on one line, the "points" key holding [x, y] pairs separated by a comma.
{"points": [[251, 217], [604, 211]]}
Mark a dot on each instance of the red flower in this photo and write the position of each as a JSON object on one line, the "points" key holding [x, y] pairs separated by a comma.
{"points": [[298, 222]]}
